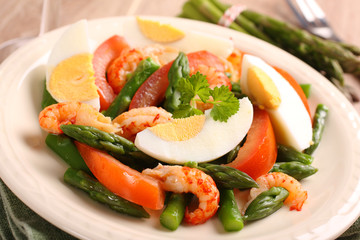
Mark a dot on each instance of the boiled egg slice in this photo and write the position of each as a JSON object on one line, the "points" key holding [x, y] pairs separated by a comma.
{"points": [[69, 73], [147, 31], [198, 138], [267, 88], [158, 32]]}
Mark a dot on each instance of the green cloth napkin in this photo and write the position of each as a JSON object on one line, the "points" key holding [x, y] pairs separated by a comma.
{"points": [[19, 222]]}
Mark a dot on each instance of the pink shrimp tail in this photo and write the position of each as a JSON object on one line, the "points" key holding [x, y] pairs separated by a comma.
{"points": [[297, 195], [297, 205]]}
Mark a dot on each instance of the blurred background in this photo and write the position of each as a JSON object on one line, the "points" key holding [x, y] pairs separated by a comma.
{"points": [[21, 18]]}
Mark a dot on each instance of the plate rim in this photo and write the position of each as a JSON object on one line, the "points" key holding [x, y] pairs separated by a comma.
{"points": [[49, 35]]}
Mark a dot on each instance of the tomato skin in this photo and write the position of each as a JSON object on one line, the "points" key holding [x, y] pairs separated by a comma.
{"points": [[295, 86], [258, 154], [103, 56], [152, 91], [236, 58], [121, 179]]}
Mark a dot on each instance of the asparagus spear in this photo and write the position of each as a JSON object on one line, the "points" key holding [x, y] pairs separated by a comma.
{"points": [[65, 148], [99, 139], [210, 11], [327, 57], [101, 194], [329, 67], [227, 177], [179, 69], [295, 169], [229, 213], [306, 87], [224, 176], [47, 99], [191, 12], [289, 154], [230, 156], [119, 147], [122, 101], [243, 22], [174, 211], [354, 49], [321, 113], [290, 36], [266, 203]]}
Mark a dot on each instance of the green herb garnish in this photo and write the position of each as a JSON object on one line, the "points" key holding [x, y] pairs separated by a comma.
{"points": [[195, 88]]}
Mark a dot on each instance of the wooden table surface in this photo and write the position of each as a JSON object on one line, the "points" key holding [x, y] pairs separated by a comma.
{"points": [[21, 18]]}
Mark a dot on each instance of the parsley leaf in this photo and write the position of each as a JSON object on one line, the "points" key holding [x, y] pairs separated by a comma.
{"points": [[186, 110], [201, 86], [196, 88], [225, 103], [193, 85]]}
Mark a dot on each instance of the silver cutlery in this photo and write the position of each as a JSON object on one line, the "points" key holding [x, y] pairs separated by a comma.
{"points": [[312, 18]]}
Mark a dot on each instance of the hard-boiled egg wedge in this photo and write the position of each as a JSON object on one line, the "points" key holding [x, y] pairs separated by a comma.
{"points": [[70, 74], [197, 138], [158, 32], [175, 36], [266, 87]]}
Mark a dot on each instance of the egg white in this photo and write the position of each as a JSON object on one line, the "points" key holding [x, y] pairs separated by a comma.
{"points": [[213, 141], [73, 41], [197, 41], [291, 121]]}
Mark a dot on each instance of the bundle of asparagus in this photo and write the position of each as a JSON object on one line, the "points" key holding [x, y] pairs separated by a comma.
{"points": [[330, 58]]}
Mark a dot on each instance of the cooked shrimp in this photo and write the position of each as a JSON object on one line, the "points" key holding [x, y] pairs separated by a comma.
{"points": [[180, 179], [215, 77], [233, 65], [297, 195], [137, 119], [128, 60], [203, 106], [53, 116]]}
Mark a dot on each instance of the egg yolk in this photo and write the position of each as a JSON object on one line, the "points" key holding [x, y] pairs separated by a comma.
{"points": [[262, 88], [73, 79], [159, 32], [179, 129]]}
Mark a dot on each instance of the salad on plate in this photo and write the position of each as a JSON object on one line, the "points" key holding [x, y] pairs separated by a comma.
{"points": [[189, 125]]}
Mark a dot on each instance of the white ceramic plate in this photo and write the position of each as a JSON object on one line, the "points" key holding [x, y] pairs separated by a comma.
{"points": [[34, 173]]}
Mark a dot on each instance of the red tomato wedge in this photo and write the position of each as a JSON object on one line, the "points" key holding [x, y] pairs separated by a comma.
{"points": [[103, 56], [152, 91], [258, 154], [296, 87], [235, 58], [121, 179]]}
